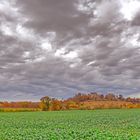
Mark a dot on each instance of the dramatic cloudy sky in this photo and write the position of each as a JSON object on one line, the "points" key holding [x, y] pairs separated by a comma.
{"points": [[60, 47]]}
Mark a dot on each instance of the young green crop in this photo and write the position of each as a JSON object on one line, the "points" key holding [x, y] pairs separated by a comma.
{"points": [[71, 125]]}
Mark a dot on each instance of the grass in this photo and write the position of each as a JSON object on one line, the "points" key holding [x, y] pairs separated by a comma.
{"points": [[115, 124], [19, 109]]}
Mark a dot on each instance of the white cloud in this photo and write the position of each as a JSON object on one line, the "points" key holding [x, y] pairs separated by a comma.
{"points": [[90, 63], [135, 40], [46, 45], [129, 8], [24, 33], [62, 53], [6, 29]]}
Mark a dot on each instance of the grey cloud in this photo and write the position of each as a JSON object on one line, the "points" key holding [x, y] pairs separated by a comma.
{"points": [[61, 17], [106, 59], [136, 20]]}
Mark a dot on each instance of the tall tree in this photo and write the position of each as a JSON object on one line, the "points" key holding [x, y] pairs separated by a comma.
{"points": [[45, 103]]}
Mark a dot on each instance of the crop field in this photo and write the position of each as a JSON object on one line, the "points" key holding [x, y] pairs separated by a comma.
{"points": [[112, 124]]}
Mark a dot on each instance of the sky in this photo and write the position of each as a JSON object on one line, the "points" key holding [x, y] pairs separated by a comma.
{"points": [[59, 48]]}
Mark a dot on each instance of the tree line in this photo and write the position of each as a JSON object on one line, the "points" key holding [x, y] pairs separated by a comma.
{"points": [[89, 101], [79, 101]]}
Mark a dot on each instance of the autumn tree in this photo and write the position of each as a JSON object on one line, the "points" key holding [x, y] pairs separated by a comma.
{"points": [[56, 104], [110, 97], [45, 103]]}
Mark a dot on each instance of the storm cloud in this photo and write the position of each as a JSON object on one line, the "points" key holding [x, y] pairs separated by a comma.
{"points": [[61, 48]]}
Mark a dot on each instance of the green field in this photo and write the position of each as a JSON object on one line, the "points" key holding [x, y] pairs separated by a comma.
{"points": [[71, 125]]}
